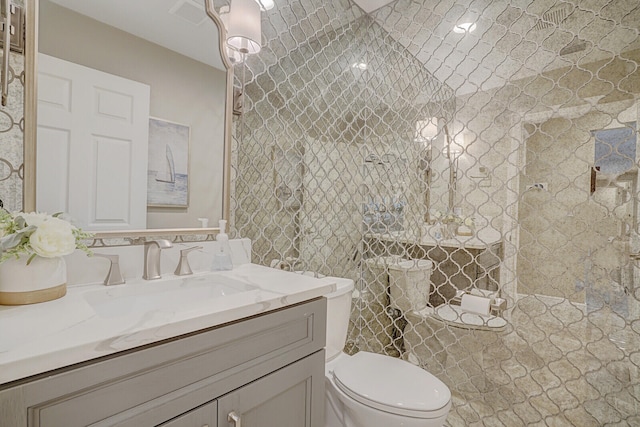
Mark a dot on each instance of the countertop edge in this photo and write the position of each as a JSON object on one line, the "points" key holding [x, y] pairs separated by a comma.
{"points": [[23, 367]]}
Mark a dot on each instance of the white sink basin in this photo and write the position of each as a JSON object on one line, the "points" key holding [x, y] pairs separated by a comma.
{"points": [[173, 294]]}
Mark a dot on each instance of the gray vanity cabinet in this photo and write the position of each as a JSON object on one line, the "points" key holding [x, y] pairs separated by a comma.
{"points": [[204, 416], [269, 369]]}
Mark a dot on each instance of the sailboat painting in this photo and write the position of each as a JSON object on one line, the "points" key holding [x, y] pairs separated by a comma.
{"points": [[168, 173]]}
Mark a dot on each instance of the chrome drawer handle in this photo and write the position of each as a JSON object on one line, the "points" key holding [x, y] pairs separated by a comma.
{"points": [[235, 418]]}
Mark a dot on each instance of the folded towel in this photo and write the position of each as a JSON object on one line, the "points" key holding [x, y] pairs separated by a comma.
{"points": [[476, 304]]}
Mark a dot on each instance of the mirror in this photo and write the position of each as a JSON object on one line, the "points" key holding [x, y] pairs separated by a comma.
{"points": [[572, 153], [133, 115]]}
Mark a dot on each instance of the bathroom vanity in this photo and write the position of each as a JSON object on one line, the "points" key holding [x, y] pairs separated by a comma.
{"points": [[252, 355]]}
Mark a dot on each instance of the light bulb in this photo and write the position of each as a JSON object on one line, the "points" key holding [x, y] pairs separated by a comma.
{"points": [[266, 4], [465, 27]]}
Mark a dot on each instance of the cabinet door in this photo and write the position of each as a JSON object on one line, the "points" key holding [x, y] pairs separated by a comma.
{"points": [[204, 416], [290, 397]]}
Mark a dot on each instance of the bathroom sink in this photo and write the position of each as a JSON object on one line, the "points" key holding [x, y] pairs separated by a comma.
{"points": [[171, 295]]}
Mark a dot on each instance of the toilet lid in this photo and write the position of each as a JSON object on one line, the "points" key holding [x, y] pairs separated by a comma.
{"points": [[392, 385]]}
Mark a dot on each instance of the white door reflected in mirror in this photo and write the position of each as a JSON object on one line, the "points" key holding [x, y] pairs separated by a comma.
{"points": [[92, 146]]}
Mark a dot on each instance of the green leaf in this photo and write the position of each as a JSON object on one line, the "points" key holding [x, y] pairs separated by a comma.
{"points": [[10, 241], [20, 222]]}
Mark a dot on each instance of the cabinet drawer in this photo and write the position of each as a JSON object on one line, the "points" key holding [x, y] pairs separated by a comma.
{"points": [[210, 363], [204, 416]]}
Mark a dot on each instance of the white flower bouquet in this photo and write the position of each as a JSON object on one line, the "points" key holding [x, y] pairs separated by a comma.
{"points": [[38, 234]]}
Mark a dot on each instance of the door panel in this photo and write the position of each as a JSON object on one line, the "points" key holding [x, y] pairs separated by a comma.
{"points": [[100, 175], [290, 397]]}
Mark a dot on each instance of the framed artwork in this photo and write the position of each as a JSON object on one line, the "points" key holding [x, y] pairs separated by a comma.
{"points": [[615, 149], [615, 154], [168, 168]]}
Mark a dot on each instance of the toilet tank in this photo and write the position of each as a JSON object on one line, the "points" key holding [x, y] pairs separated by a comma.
{"points": [[410, 284], [338, 312]]}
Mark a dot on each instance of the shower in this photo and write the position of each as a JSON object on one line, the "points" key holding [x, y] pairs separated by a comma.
{"points": [[520, 102]]}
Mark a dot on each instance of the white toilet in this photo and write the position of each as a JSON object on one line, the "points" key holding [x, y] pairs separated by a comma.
{"points": [[373, 390]]}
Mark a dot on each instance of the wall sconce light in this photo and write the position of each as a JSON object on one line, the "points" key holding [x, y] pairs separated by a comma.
{"points": [[244, 37], [454, 153], [454, 150], [426, 130], [245, 32], [455, 144], [234, 55]]}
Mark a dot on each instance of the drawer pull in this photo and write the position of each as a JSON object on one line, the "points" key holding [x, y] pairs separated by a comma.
{"points": [[235, 418]]}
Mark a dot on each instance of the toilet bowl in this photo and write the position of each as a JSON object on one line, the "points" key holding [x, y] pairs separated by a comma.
{"points": [[373, 390]]}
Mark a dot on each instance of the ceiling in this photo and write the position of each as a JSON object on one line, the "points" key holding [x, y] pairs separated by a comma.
{"points": [[179, 25], [370, 5], [514, 39]]}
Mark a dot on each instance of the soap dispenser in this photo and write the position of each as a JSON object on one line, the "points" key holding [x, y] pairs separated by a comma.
{"points": [[222, 257]]}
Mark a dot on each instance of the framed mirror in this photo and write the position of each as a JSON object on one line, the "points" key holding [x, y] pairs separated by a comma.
{"points": [[131, 119]]}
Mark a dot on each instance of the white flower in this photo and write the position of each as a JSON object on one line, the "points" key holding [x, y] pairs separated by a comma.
{"points": [[35, 218], [34, 233], [53, 238]]}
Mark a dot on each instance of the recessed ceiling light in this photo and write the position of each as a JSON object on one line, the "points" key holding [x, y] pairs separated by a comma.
{"points": [[360, 65], [465, 27], [266, 4]]}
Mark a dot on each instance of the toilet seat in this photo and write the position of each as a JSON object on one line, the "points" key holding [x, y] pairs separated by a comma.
{"points": [[392, 385]]}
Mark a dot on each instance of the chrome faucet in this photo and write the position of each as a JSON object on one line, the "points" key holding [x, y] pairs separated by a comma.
{"points": [[183, 268], [152, 250], [114, 276]]}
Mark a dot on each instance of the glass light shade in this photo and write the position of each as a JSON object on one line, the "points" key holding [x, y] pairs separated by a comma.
{"points": [[234, 55], [426, 130], [244, 32]]}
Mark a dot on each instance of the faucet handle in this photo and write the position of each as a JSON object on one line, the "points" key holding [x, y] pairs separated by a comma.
{"points": [[183, 268], [114, 277]]}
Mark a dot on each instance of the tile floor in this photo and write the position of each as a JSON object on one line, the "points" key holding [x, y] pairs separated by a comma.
{"points": [[554, 365]]}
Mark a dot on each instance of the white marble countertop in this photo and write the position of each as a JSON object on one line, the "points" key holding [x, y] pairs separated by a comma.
{"points": [[41, 337], [482, 239]]}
